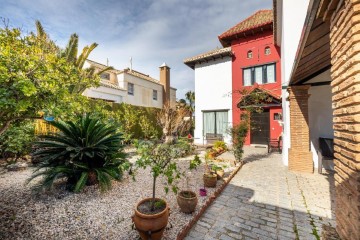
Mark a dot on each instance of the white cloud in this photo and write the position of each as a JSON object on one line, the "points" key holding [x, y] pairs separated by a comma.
{"points": [[151, 32]]}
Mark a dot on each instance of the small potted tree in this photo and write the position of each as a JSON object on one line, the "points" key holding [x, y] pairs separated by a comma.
{"points": [[151, 214], [219, 170], [209, 176], [187, 199]]}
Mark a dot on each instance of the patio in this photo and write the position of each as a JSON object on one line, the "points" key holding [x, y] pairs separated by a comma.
{"points": [[266, 201]]}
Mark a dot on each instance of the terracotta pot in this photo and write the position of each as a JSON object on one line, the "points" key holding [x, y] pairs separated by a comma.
{"points": [[151, 226], [210, 180], [187, 204], [220, 174]]}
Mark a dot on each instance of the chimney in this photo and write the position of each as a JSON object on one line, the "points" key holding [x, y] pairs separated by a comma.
{"points": [[165, 81]]}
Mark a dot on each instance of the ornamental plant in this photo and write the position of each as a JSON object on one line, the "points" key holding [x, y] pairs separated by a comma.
{"points": [[85, 151], [239, 133], [161, 159]]}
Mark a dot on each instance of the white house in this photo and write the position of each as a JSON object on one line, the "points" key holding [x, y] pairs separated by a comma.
{"points": [[133, 87], [320, 42], [288, 36], [213, 87]]}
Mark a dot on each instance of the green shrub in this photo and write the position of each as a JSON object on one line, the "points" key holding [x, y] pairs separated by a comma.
{"points": [[239, 133], [138, 122], [220, 144], [184, 148], [85, 151], [16, 141]]}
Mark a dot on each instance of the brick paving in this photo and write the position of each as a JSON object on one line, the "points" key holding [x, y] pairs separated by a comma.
{"points": [[266, 201]]}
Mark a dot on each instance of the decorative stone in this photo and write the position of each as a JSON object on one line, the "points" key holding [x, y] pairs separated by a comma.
{"points": [[17, 166]]}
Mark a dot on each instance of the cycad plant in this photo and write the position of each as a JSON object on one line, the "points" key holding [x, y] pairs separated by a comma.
{"points": [[86, 151]]}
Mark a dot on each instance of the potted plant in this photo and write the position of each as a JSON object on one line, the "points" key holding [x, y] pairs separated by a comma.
{"points": [[151, 214], [187, 199], [209, 176], [219, 171]]}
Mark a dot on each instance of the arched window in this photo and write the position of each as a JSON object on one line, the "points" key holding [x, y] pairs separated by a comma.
{"points": [[267, 51], [249, 54]]}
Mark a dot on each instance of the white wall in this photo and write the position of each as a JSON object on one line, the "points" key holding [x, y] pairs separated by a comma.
{"points": [[213, 87], [172, 97], [293, 18], [320, 117], [105, 93], [143, 91]]}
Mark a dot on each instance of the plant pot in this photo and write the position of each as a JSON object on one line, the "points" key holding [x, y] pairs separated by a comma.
{"points": [[210, 180], [220, 174], [202, 192], [151, 226], [187, 201]]}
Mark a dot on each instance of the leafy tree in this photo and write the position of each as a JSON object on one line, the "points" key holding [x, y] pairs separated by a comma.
{"points": [[160, 158], [86, 151], [188, 106], [16, 141], [37, 78], [190, 97]]}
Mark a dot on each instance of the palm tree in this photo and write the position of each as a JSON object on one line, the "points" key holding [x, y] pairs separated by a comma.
{"points": [[70, 53], [190, 97]]}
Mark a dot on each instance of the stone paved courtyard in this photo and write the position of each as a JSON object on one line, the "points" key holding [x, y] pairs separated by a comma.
{"points": [[266, 201]]}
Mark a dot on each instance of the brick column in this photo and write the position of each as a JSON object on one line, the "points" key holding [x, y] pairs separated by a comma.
{"points": [[345, 74], [300, 157]]}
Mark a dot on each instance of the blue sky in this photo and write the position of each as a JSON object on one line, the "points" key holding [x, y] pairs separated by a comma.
{"points": [[151, 32]]}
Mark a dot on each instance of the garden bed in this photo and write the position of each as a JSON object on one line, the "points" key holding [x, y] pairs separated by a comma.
{"points": [[89, 214]]}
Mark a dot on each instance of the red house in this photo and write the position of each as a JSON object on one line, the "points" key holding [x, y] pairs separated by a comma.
{"points": [[256, 67]]}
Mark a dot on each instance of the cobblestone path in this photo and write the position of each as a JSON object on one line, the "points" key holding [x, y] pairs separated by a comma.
{"points": [[266, 201]]}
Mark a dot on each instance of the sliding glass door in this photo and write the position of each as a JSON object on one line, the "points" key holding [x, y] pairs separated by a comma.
{"points": [[215, 122]]}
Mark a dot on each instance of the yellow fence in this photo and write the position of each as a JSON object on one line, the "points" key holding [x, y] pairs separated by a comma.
{"points": [[43, 127]]}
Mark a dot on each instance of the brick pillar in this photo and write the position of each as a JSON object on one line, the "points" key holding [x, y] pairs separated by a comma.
{"points": [[345, 74], [300, 157]]}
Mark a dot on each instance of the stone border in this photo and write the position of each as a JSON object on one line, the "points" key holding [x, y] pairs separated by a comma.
{"points": [[186, 229]]}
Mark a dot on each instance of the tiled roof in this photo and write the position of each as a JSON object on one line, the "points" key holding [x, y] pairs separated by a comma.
{"points": [[258, 19], [108, 84], [216, 53], [102, 66], [142, 76], [126, 70]]}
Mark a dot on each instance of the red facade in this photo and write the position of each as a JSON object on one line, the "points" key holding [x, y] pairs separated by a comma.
{"points": [[256, 44], [256, 66]]}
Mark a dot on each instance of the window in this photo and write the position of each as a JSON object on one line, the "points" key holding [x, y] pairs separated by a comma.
{"points": [[130, 88], [215, 122], [267, 51], [105, 76], [259, 74], [250, 54], [277, 116], [154, 95]]}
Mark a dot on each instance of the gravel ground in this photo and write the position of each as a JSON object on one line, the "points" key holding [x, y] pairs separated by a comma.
{"points": [[87, 215]]}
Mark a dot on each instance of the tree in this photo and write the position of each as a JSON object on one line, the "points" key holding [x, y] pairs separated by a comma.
{"points": [[35, 79], [190, 97], [88, 76], [171, 121]]}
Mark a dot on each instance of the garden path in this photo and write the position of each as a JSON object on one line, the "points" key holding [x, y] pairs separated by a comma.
{"points": [[266, 201]]}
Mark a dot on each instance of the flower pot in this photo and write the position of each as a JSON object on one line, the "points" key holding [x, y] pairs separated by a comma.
{"points": [[202, 192], [220, 173], [151, 226], [187, 201], [210, 180]]}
